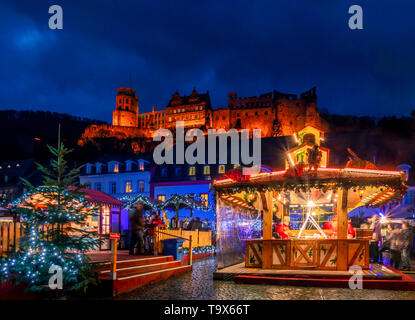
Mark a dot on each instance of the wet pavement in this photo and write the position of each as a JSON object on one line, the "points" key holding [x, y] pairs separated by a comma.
{"points": [[199, 285]]}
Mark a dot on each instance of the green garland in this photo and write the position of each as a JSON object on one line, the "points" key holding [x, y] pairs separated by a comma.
{"points": [[250, 202]]}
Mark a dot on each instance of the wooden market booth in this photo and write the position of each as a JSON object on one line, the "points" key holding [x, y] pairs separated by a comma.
{"points": [[108, 219], [316, 196], [311, 194]]}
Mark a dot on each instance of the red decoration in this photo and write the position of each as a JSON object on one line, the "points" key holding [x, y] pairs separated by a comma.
{"points": [[237, 175]]}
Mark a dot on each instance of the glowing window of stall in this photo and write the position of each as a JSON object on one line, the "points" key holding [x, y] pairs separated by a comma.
{"points": [[105, 220]]}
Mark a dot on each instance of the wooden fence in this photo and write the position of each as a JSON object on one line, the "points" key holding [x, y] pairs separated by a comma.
{"points": [[10, 234], [199, 238]]}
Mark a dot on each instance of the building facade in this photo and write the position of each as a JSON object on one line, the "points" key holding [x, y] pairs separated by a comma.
{"points": [[123, 180]]}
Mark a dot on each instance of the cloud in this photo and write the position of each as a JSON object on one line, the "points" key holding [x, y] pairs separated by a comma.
{"points": [[247, 47]]}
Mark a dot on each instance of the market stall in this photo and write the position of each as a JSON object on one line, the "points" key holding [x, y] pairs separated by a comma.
{"points": [[297, 218], [245, 211]]}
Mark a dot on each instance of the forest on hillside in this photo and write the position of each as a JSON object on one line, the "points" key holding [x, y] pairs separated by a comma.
{"points": [[25, 134]]}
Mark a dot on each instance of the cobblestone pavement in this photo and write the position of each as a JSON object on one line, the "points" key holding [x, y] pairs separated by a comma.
{"points": [[199, 285]]}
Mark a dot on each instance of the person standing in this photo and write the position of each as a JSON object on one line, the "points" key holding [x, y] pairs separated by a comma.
{"points": [[136, 230], [406, 242], [395, 248], [283, 229], [374, 242]]}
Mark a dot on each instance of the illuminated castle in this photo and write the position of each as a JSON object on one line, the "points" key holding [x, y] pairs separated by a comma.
{"points": [[275, 113]]}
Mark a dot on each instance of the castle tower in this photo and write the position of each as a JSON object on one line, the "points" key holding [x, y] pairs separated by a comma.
{"points": [[126, 109]]}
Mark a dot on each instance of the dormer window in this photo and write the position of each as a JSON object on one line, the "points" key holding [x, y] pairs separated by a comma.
{"points": [[88, 168], [128, 165], [116, 168], [98, 167], [141, 165]]}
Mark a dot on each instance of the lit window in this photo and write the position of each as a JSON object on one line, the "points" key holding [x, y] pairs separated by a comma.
{"points": [[141, 186], [116, 168], [128, 188], [206, 170], [161, 197], [17, 165], [221, 168], [237, 165], [141, 165], [204, 197], [192, 171]]}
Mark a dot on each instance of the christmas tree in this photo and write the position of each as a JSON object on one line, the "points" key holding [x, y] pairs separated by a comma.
{"points": [[55, 239]]}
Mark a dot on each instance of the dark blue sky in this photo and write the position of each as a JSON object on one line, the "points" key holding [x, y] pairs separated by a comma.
{"points": [[250, 47]]}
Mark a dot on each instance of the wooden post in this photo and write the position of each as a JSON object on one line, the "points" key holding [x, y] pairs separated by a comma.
{"points": [[156, 241], [190, 251], [342, 244], [342, 214], [114, 245], [266, 199], [17, 235], [267, 230], [11, 237]]}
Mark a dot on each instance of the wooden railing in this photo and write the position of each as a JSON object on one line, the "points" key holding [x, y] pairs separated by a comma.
{"points": [[192, 239], [10, 234], [200, 238]]}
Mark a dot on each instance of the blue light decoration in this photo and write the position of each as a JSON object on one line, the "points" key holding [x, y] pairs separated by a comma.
{"points": [[233, 225]]}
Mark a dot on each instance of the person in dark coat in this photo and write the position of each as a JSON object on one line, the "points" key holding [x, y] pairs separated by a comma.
{"points": [[395, 247], [136, 229], [406, 243]]}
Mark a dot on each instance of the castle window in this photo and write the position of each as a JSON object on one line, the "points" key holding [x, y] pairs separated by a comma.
{"points": [[97, 186], [178, 171], [141, 186], [217, 118], [221, 168], [161, 197], [116, 168], [206, 170], [192, 171], [266, 112], [141, 165], [128, 188], [256, 113], [223, 118]]}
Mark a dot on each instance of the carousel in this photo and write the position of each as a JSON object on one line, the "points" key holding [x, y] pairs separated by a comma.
{"points": [[297, 218]]}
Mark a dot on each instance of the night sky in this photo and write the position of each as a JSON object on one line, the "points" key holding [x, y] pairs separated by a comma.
{"points": [[250, 47]]}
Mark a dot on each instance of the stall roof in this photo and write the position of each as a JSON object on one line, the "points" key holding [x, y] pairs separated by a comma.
{"points": [[98, 197], [147, 202], [330, 177]]}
